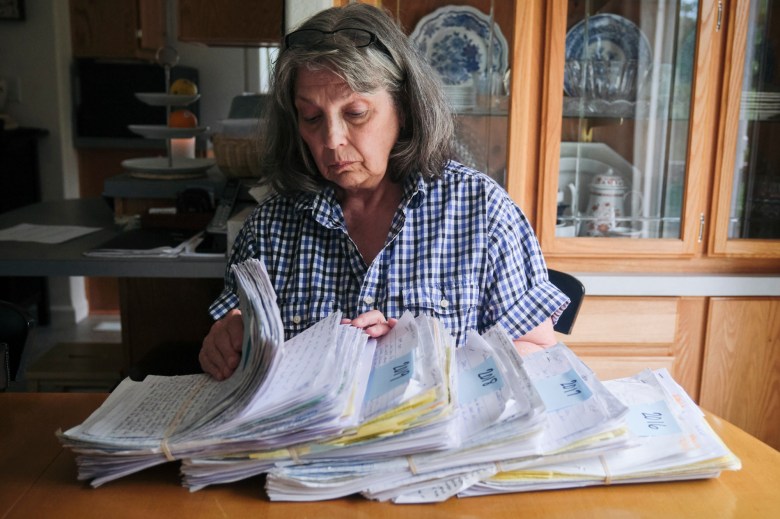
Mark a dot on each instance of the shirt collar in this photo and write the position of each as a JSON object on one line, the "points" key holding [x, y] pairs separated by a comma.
{"points": [[324, 206], [414, 191]]}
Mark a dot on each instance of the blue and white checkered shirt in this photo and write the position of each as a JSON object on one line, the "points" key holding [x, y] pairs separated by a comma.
{"points": [[458, 249]]}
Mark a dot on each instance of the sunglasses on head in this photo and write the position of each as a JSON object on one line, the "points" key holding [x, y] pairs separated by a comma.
{"points": [[307, 38]]}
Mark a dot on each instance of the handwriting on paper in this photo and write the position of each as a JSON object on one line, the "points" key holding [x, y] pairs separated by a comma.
{"points": [[482, 379], [390, 375], [562, 390], [651, 419]]}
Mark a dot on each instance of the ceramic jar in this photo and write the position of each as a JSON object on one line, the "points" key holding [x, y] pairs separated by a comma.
{"points": [[606, 204]]}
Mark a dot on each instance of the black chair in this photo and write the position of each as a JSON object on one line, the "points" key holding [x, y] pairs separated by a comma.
{"points": [[575, 291], [15, 324]]}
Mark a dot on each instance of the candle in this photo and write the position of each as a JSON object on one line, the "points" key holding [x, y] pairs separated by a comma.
{"points": [[184, 148]]}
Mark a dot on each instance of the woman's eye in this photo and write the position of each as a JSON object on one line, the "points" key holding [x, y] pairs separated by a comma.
{"points": [[358, 114], [310, 119]]}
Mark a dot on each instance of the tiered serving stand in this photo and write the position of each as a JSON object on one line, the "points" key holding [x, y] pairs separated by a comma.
{"points": [[167, 167]]}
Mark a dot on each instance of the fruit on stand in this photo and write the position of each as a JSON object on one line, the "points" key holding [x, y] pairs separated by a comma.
{"points": [[182, 119], [183, 87]]}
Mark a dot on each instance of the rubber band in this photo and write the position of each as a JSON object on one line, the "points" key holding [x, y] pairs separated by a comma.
{"points": [[412, 466], [167, 450], [293, 452], [177, 418], [607, 474]]}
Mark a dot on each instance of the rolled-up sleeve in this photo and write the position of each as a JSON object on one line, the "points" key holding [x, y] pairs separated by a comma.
{"points": [[519, 296]]}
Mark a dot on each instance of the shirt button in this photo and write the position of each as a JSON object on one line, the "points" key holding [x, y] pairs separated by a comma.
{"points": [[368, 300], [444, 303], [296, 319]]}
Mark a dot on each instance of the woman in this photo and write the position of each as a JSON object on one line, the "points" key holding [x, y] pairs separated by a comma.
{"points": [[369, 216]]}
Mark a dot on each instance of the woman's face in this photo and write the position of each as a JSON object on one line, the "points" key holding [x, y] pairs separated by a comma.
{"points": [[350, 135]]}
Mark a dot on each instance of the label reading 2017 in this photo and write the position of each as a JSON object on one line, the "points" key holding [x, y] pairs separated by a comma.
{"points": [[562, 390]]}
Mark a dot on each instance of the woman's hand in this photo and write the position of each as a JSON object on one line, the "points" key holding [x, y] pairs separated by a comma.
{"points": [[221, 350], [372, 322]]}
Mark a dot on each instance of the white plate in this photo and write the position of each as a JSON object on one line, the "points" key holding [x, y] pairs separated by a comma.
{"points": [[160, 99], [180, 165], [159, 131], [455, 41]]}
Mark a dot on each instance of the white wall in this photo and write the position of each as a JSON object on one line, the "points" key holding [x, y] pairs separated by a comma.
{"points": [[36, 51]]}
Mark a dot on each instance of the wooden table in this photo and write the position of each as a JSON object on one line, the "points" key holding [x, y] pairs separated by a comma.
{"points": [[38, 479]]}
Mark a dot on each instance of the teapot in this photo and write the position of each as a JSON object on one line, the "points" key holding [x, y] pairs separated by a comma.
{"points": [[606, 204]]}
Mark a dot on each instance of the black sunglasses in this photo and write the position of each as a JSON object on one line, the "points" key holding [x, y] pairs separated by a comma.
{"points": [[306, 38]]}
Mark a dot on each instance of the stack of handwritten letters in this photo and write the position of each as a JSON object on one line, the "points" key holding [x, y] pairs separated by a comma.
{"points": [[407, 418]]}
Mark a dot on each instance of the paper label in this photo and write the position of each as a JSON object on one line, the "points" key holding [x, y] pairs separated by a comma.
{"points": [[651, 419], [479, 381], [390, 375], [562, 390]]}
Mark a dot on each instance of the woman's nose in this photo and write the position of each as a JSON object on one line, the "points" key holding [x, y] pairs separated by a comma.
{"points": [[335, 133]]}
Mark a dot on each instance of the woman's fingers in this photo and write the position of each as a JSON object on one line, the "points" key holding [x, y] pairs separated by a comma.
{"points": [[221, 351], [372, 322]]}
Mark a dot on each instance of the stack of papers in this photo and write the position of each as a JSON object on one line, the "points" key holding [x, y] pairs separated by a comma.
{"points": [[406, 418], [671, 441]]}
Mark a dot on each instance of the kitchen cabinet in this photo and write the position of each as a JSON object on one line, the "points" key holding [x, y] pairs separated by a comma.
{"points": [[741, 370], [244, 23], [117, 29], [620, 336], [668, 138], [548, 137]]}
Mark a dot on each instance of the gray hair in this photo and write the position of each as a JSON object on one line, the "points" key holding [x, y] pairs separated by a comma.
{"points": [[393, 64]]}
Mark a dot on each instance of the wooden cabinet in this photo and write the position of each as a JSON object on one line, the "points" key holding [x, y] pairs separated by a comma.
{"points": [[117, 29], [679, 140], [741, 371], [245, 23], [620, 336]]}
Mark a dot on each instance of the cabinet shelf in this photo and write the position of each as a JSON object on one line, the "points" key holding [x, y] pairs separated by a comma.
{"points": [[575, 107]]}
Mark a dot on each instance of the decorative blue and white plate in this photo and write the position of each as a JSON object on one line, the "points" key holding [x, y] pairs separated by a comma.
{"points": [[607, 37], [457, 42]]}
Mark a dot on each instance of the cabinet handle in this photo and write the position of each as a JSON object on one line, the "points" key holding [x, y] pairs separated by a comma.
{"points": [[701, 227], [720, 15]]}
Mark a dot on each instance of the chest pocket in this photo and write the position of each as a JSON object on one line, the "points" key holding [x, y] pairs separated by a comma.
{"points": [[455, 305], [299, 314]]}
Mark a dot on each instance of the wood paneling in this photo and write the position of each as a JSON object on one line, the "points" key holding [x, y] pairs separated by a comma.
{"points": [[117, 28], [231, 22], [158, 311], [741, 372], [620, 336]]}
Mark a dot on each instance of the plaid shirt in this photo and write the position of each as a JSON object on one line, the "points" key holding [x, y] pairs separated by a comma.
{"points": [[458, 249]]}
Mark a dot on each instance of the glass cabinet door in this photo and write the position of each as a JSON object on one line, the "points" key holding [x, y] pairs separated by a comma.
{"points": [[469, 47], [625, 133], [748, 201]]}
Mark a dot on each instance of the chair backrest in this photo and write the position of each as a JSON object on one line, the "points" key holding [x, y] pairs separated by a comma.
{"points": [[575, 290], [15, 324]]}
